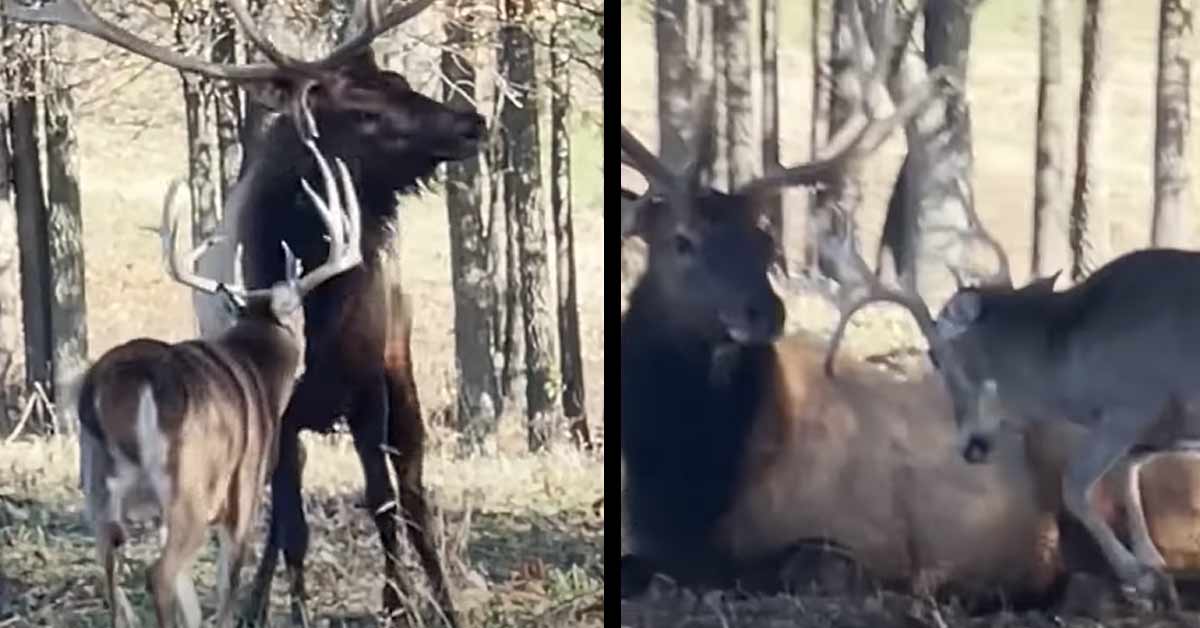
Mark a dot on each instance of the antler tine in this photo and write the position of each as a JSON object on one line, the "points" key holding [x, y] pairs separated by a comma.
{"points": [[1002, 276], [857, 137], [373, 26], [344, 223], [849, 262], [179, 262], [260, 40], [637, 156], [79, 16]]}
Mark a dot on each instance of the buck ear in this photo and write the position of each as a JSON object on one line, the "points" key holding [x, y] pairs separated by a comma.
{"points": [[1044, 285], [960, 312]]}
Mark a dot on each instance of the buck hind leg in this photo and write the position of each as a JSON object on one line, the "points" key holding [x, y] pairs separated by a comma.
{"points": [[229, 566], [1105, 445], [1135, 517], [105, 497], [109, 539], [169, 579], [406, 438]]}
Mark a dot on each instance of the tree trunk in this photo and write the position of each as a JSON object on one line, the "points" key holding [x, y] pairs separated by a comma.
{"points": [[821, 53], [470, 263], [743, 143], [938, 201], [522, 188], [1173, 225], [570, 352], [68, 304], [227, 103], [511, 342], [32, 227], [768, 23], [498, 228], [10, 313], [1089, 224], [675, 33], [1051, 217], [837, 203], [204, 165]]}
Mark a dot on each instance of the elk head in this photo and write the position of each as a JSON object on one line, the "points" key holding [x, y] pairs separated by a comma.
{"points": [[708, 254], [373, 116]]}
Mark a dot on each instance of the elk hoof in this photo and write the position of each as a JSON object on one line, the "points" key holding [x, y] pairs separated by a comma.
{"points": [[299, 614], [636, 574]]}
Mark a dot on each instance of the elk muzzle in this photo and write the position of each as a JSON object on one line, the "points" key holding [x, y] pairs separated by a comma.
{"points": [[758, 322]]}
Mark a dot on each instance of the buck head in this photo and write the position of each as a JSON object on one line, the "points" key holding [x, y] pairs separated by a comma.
{"points": [[973, 345], [279, 308]]}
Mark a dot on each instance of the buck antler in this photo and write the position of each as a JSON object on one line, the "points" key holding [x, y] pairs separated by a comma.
{"points": [[342, 221]]}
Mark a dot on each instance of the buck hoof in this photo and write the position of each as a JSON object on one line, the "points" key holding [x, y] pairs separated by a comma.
{"points": [[1153, 587], [254, 613]]}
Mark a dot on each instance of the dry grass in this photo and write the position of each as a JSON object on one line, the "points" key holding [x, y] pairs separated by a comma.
{"points": [[1002, 91], [519, 535]]}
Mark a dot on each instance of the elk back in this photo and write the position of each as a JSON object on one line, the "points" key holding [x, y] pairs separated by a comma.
{"points": [[871, 463]]}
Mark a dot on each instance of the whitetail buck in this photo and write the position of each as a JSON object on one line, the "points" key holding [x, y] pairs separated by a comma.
{"points": [[188, 430], [1114, 353], [391, 137]]}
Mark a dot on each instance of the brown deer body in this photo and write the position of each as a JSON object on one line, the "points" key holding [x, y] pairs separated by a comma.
{"points": [[190, 429], [391, 137]]}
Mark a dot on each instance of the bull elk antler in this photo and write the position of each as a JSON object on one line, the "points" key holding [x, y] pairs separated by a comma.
{"points": [[78, 15], [342, 219]]}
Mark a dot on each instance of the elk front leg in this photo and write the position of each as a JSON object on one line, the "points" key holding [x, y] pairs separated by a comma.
{"points": [[368, 425], [406, 436], [1105, 445], [288, 530]]}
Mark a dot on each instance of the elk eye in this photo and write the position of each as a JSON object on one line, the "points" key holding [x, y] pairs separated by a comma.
{"points": [[684, 245]]}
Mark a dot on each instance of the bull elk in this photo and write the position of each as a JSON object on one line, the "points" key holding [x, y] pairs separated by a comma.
{"points": [[391, 137], [1113, 353], [188, 430]]}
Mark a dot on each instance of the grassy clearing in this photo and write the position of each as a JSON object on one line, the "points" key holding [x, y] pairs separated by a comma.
{"points": [[520, 538]]}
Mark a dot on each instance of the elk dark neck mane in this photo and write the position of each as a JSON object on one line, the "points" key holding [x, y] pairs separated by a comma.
{"points": [[270, 206], [682, 433]]}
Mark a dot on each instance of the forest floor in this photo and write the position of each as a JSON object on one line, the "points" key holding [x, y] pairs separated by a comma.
{"points": [[520, 536], [1002, 92]]}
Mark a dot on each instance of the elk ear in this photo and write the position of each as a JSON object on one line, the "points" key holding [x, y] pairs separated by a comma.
{"points": [[275, 95], [960, 312], [635, 214]]}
